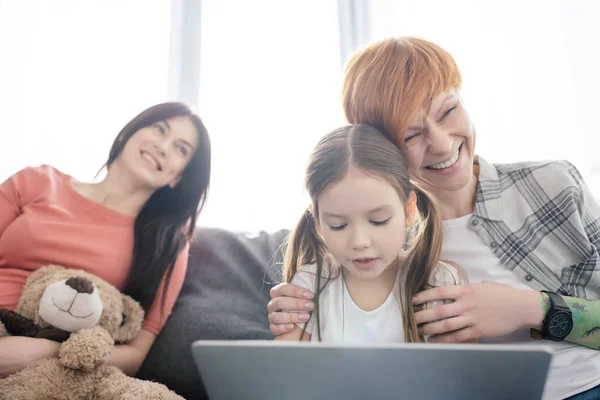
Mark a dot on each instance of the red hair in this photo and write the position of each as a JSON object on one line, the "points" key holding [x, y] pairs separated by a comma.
{"points": [[388, 82]]}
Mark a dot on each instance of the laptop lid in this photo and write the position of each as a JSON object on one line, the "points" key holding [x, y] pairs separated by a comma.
{"points": [[269, 370]]}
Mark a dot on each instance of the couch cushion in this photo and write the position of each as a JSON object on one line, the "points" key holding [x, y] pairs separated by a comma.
{"points": [[224, 297]]}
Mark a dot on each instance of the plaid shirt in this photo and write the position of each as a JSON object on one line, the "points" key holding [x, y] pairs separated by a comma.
{"points": [[543, 223]]}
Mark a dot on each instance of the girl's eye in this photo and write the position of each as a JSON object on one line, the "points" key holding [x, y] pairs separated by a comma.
{"points": [[337, 227], [160, 128], [182, 150], [381, 223]]}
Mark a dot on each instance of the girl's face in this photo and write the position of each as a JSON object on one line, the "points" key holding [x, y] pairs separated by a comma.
{"points": [[363, 223], [439, 146], [157, 155]]}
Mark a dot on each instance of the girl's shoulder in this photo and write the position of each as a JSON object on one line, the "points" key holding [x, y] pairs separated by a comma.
{"points": [[307, 269], [444, 274], [311, 269], [307, 275], [447, 273]]}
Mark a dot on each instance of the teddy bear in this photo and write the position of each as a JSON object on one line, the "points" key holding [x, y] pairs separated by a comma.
{"points": [[88, 316]]}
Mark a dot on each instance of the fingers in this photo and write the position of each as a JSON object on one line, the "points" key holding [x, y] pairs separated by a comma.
{"points": [[295, 300], [450, 292], [438, 313], [284, 322], [278, 330], [445, 326], [460, 336], [290, 304], [281, 318], [290, 290]]}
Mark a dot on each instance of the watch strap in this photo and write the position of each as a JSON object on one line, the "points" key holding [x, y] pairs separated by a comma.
{"points": [[557, 304], [556, 301]]}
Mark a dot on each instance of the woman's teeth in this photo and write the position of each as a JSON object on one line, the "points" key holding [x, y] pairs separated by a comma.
{"points": [[152, 160], [446, 164]]}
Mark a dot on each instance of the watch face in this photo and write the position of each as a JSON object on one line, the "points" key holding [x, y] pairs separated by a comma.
{"points": [[560, 324]]}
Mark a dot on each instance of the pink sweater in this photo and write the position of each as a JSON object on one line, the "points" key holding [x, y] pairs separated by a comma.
{"points": [[44, 220]]}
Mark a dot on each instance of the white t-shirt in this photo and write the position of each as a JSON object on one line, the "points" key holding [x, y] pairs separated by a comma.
{"points": [[342, 321], [574, 368]]}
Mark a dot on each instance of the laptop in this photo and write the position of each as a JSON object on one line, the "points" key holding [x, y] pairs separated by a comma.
{"points": [[269, 370]]}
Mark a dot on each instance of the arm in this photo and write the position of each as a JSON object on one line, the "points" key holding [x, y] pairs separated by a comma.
{"points": [[156, 317], [586, 313], [295, 335], [129, 357], [11, 198], [17, 352], [488, 310], [586, 320]]}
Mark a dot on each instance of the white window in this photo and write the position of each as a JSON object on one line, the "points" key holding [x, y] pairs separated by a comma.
{"points": [[270, 81], [73, 73]]}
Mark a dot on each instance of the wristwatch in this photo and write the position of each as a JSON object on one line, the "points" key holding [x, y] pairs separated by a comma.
{"points": [[559, 319]]}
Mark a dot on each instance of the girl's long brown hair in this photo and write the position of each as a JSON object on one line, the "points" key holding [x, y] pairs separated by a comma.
{"points": [[366, 148]]}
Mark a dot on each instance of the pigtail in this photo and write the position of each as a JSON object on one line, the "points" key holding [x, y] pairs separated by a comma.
{"points": [[425, 247], [304, 246]]}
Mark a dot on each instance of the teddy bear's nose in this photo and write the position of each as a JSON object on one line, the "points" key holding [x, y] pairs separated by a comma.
{"points": [[80, 284]]}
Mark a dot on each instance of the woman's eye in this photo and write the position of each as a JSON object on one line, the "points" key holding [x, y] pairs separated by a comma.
{"points": [[449, 111], [160, 128], [411, 136], [337, 227], [182, 150], [381, 223]]}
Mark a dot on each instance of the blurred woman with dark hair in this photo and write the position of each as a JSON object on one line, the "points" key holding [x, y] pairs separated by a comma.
{"points": [[132, 229]]}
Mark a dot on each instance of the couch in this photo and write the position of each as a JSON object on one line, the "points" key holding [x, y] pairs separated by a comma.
{"points": [[224, 297]]}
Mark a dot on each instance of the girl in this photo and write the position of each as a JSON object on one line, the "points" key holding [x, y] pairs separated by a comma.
{"points": [[132, 229], [369, 242]]}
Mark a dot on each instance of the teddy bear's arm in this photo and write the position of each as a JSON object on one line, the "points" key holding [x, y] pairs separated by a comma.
{"points": [[16, 324], [86, 349], [54, 334]]}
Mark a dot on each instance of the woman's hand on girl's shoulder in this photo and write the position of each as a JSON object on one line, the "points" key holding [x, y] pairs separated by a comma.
{"points": [[290, 304], [447, 273], [475, 311]]}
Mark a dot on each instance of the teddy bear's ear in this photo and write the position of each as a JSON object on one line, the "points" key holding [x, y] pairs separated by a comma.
{"points": [[42, 272], [133, 316]]}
